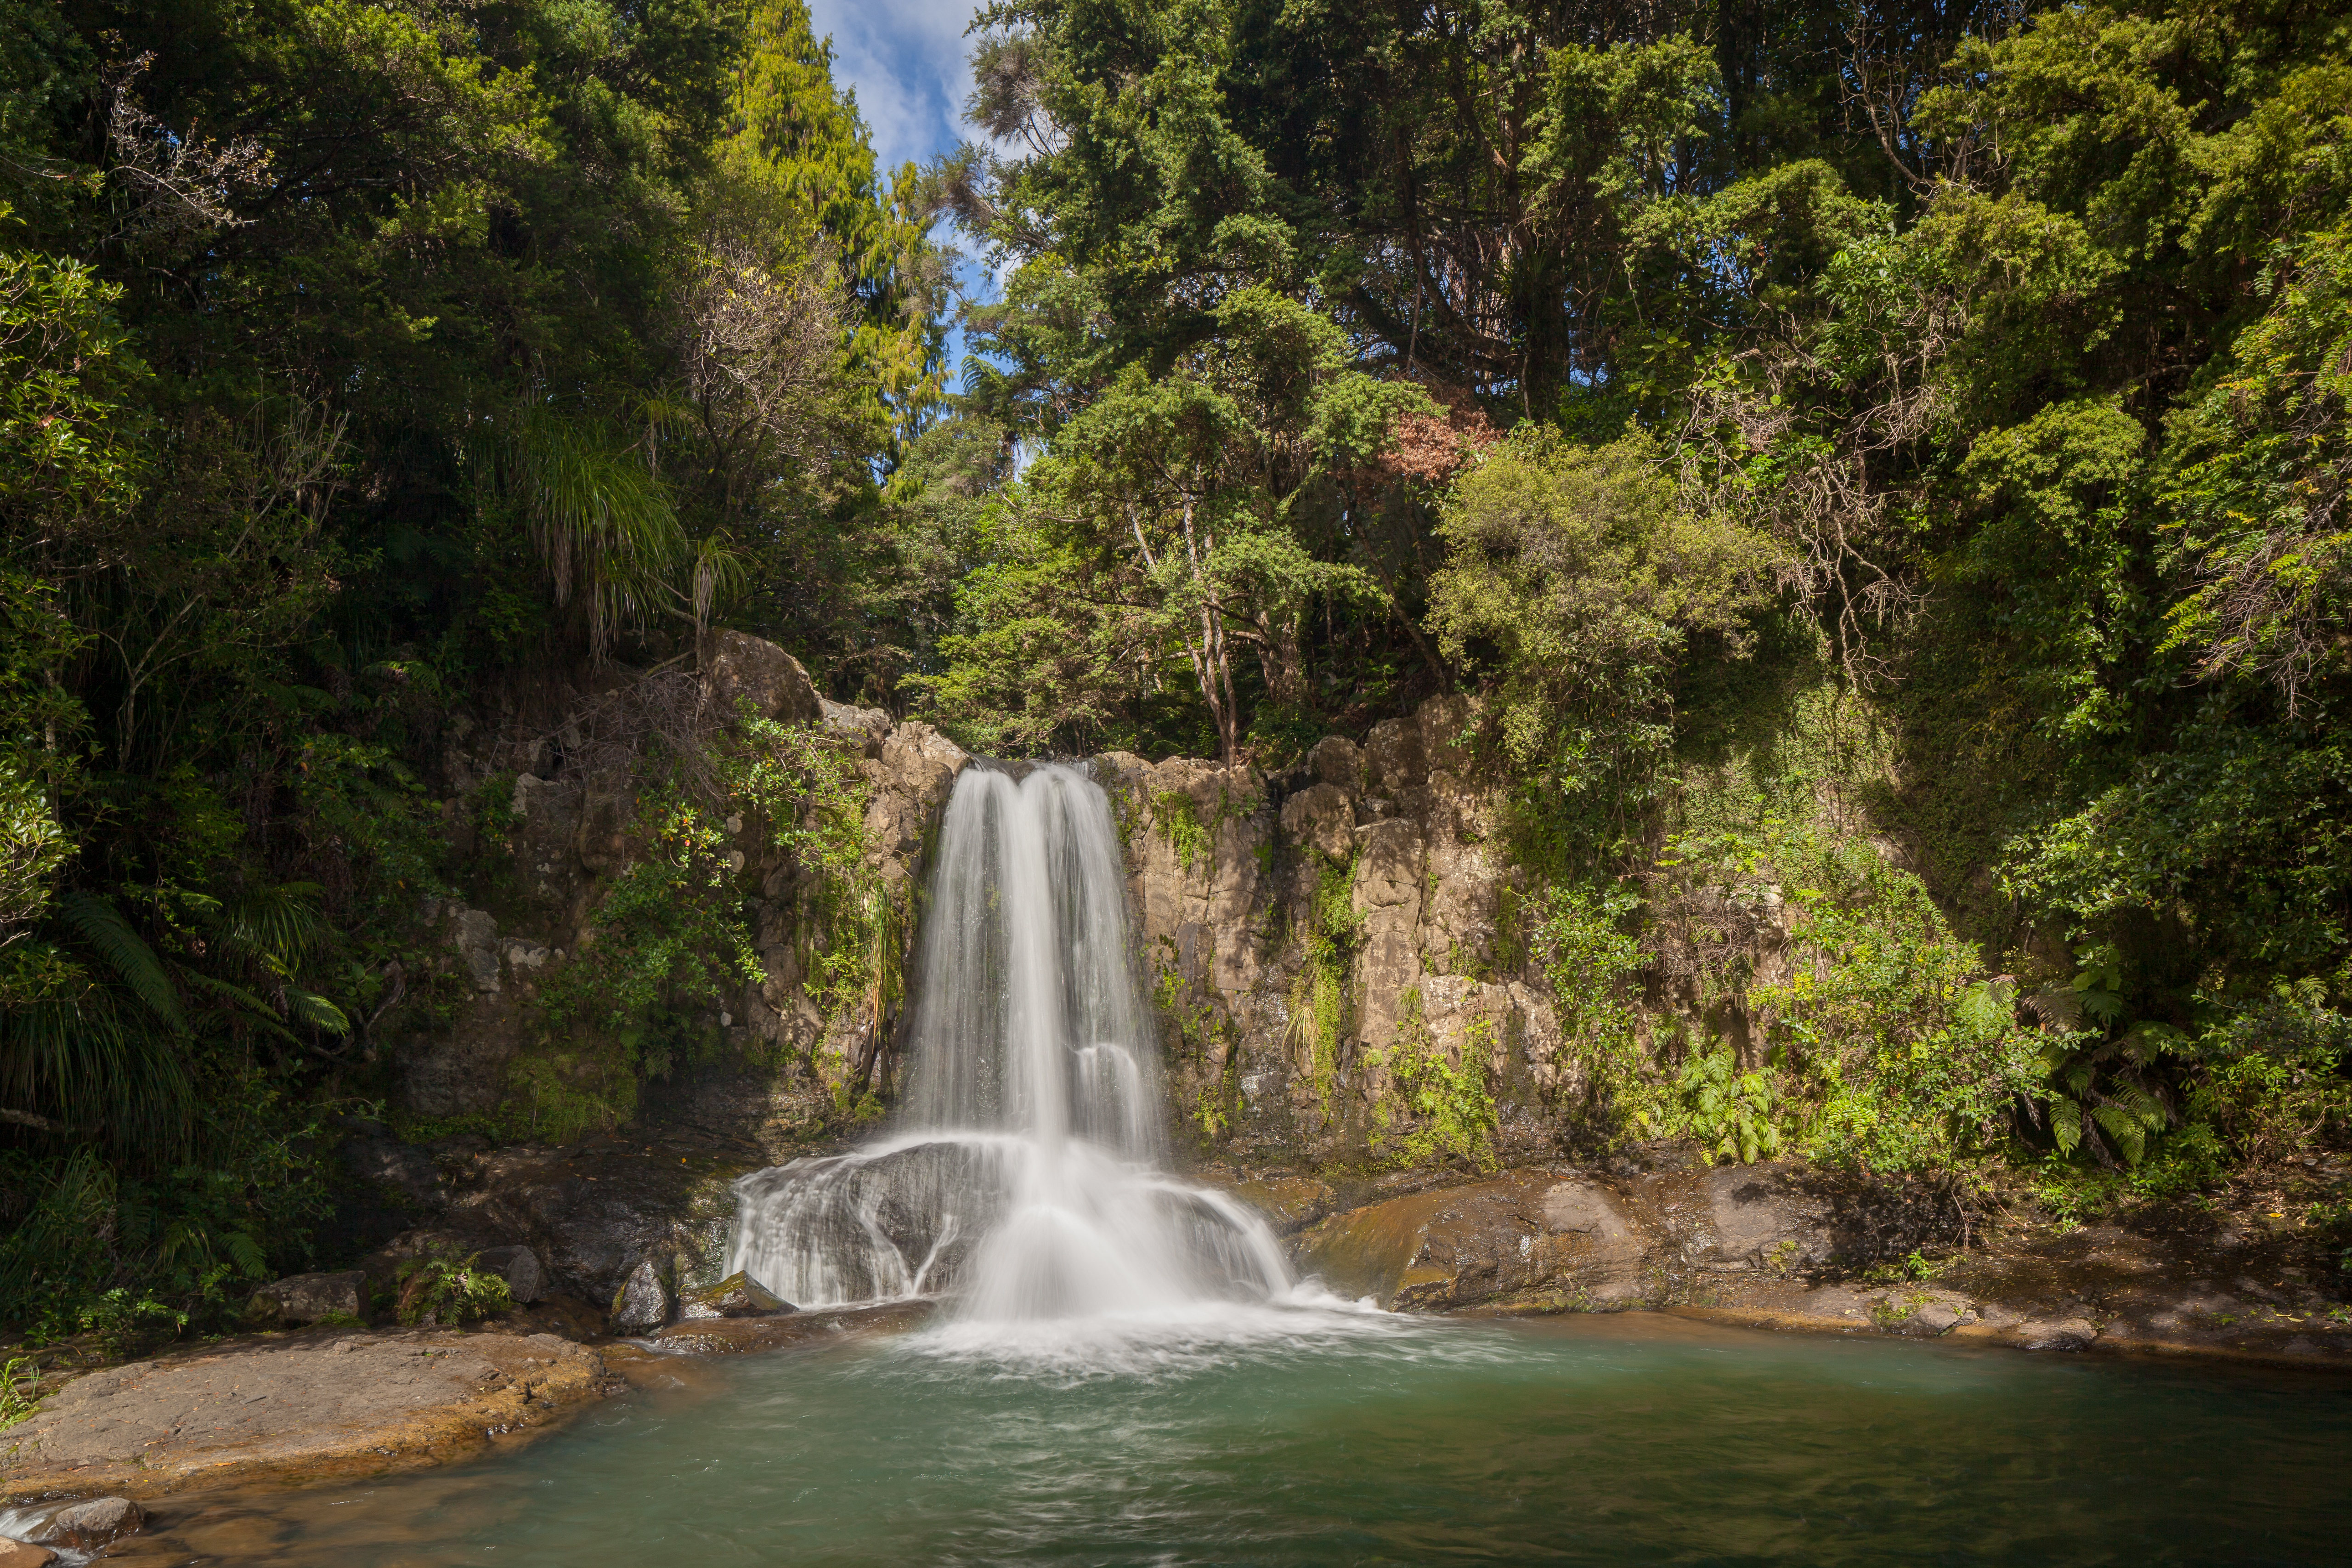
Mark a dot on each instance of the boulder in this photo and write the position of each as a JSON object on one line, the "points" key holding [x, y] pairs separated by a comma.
{"points": [[307, 1298], [1394, 760], [737, 1296], [518, 1267], [642, 1303], [1522, 1239], [2056, 1334], [737, 669], [1336, 761], [24, 1554], [869, 727], [1930, 1321], [87, 1526]]}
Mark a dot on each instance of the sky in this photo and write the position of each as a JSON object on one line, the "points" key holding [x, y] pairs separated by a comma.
{"points": [[906, 58]]}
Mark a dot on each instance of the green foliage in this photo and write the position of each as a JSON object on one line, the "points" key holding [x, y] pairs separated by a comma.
{"points": [[1445, 1096], [1594, 964], [1575, 576], [1180, 823], [1911, 1063], [804, 785], [445, 1289], [1730, 1114], [20, 1382], [1318, 1000]]}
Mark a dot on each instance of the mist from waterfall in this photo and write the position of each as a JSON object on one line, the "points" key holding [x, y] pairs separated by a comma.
{"points": [[1023, 1180]]}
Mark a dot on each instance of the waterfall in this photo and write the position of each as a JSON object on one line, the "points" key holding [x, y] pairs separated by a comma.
{"points": [[1023, 1180]]}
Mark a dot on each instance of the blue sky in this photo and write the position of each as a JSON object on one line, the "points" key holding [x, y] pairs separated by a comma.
{"points": [[906, 58]]}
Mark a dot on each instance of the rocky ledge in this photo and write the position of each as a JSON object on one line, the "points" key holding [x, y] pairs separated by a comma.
{"points": [[1785, 1246], [319, 1404]]}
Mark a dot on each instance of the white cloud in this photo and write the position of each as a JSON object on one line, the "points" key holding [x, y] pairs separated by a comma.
{"points": [[907, 60]]}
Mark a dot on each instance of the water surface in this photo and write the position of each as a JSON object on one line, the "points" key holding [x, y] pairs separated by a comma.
{"points": [[1311, 1437]]}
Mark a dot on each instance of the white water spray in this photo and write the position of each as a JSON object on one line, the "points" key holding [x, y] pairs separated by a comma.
{"points": [[1026, 1178]]}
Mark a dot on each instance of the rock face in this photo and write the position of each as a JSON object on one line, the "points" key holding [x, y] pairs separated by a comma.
{"points": [[307, 1298], [1528, 1234], [556, 815], [1316, 937]]}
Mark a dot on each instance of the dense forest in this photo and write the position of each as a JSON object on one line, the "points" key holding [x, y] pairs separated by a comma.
{"points": [[1894, 446]]}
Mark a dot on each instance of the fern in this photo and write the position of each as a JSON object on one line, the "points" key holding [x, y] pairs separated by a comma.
{"points": [[109, 936]]}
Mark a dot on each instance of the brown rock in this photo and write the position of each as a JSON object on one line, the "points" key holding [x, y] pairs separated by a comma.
{"points": [[87, 1526], [1288, 1203], [1337, 762], [737, 669], [24, 1554], [314, 1404], [307, 1298], [1523, 1239], [1319, 817], [737, 1296]]}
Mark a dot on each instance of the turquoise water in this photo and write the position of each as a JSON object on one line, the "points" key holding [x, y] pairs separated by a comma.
{"points": [[1317, 1438]]}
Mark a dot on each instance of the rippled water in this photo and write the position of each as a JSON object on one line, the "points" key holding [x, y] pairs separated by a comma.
{"points": [[1310, 1437]]}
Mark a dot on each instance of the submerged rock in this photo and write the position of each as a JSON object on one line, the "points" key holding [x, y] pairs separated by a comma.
{"points": [[737, 1296]]}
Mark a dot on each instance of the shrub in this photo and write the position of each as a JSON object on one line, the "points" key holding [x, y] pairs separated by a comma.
{"points": [[445, 1288]]}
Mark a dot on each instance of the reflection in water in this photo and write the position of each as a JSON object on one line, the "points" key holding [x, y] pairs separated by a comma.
{"points": [[1302, 1436]]}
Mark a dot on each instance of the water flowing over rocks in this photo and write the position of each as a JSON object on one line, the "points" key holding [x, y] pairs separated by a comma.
{"points": [[1025, 1177]]}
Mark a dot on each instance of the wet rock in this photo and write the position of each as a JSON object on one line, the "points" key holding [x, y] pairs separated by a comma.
{"points": [[643, 1301], [1289, 1204], [16, 1553], [2056, 1334], [518, 1267], [739, 668], [1525, 1240], [307, 1298], [475, 934], [87, 1526], [1766, 1216], [737, 1296]]}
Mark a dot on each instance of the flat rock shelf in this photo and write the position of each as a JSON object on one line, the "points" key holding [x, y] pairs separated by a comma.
{"points": [[318, 1404]]}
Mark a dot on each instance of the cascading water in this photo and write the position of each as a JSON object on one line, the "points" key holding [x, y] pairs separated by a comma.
{"points": [[1024, 1179]]}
